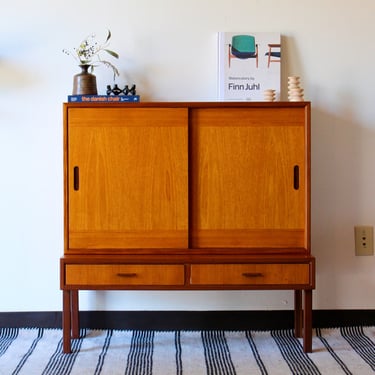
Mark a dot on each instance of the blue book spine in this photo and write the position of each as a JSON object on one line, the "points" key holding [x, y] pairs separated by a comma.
{"points": [[103, 98]]}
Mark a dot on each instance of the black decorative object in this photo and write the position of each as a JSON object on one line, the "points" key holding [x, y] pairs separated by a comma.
{"points": [[117, 91]]}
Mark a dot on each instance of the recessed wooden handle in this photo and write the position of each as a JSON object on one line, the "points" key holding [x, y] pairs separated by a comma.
{"points": [[252, 274], [296, 177], [127, 274], [76, 178]]}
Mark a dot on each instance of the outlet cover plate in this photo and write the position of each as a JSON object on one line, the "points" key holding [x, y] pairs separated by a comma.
{"points": [[364, 240]]}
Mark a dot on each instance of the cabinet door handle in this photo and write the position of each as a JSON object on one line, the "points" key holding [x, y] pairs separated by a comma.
{"points": [[296, 177], [126, 274], [252, 274], [76, 178]]}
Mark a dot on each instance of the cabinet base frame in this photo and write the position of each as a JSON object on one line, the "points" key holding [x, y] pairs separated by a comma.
{"points": [[302, 317]]}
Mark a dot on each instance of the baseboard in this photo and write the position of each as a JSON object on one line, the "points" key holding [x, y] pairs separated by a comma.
{"points": [[189, 320]]}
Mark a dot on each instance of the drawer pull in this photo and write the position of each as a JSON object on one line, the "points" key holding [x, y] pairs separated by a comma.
{"points": [[128, 274], [252, 274]]}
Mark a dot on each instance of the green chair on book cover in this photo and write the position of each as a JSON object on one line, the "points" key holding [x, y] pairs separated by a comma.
{"points": [[243, 47]]}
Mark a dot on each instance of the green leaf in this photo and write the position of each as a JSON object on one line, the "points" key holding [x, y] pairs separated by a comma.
{"points": [[108, 36], [114, 54]]}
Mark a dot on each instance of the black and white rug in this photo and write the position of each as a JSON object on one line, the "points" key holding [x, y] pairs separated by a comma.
{"points": [[335, 351]]}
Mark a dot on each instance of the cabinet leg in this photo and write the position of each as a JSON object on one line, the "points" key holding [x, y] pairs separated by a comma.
{"points": [[307, 322], [298, 313], [70, 318], [66, 321], [75, 314]]}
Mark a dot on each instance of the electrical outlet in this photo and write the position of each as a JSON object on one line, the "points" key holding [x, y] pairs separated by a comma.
{"points": [[364, 244]]}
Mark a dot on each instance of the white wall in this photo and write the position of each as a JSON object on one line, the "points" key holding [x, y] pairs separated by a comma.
{"points": [[168, 48]]}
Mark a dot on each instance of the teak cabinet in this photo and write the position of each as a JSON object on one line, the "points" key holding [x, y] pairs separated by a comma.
{"points": [[187, 196]]}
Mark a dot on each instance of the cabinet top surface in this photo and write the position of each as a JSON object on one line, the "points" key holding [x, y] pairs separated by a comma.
{"points": [[217, 104]]}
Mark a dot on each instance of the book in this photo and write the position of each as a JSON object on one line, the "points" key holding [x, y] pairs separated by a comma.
{"points": [[248, 64], [103, 98]]}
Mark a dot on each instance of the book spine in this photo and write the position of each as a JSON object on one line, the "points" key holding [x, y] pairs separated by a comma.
{"points": [[103, 98]]}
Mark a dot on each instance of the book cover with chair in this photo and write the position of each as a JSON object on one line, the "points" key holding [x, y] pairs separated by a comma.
{"points": [[248, 64]]}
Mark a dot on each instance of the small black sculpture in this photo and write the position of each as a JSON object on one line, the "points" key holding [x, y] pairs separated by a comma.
{"points": [[132, 90], [117, 91]]}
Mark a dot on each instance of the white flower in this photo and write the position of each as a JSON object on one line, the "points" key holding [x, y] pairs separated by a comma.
{"points": [[88, 53]]}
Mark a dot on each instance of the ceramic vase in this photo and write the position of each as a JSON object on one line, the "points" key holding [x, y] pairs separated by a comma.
{"points": [[84, 83]]}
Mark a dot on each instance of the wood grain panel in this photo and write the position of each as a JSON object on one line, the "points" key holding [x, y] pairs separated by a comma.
{"points": [[243, 173], [122, 275], [153, 239], [253, 274], [248, 238], [132, 177]]}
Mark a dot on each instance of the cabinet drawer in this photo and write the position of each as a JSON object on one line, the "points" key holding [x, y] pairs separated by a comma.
{"points": [[250, 274], [123, 275]]}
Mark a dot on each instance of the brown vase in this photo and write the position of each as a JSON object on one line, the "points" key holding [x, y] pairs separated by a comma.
{"points": [[84, 83]]}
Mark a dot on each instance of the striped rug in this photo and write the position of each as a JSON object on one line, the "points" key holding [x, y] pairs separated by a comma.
{"points": [[335, 351]]}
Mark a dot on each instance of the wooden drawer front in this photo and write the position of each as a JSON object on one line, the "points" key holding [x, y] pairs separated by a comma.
{"points": [[250, 274], [123, 275]]}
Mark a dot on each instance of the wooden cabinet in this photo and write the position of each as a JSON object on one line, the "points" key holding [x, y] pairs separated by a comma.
{"points": [[187, 196]]}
